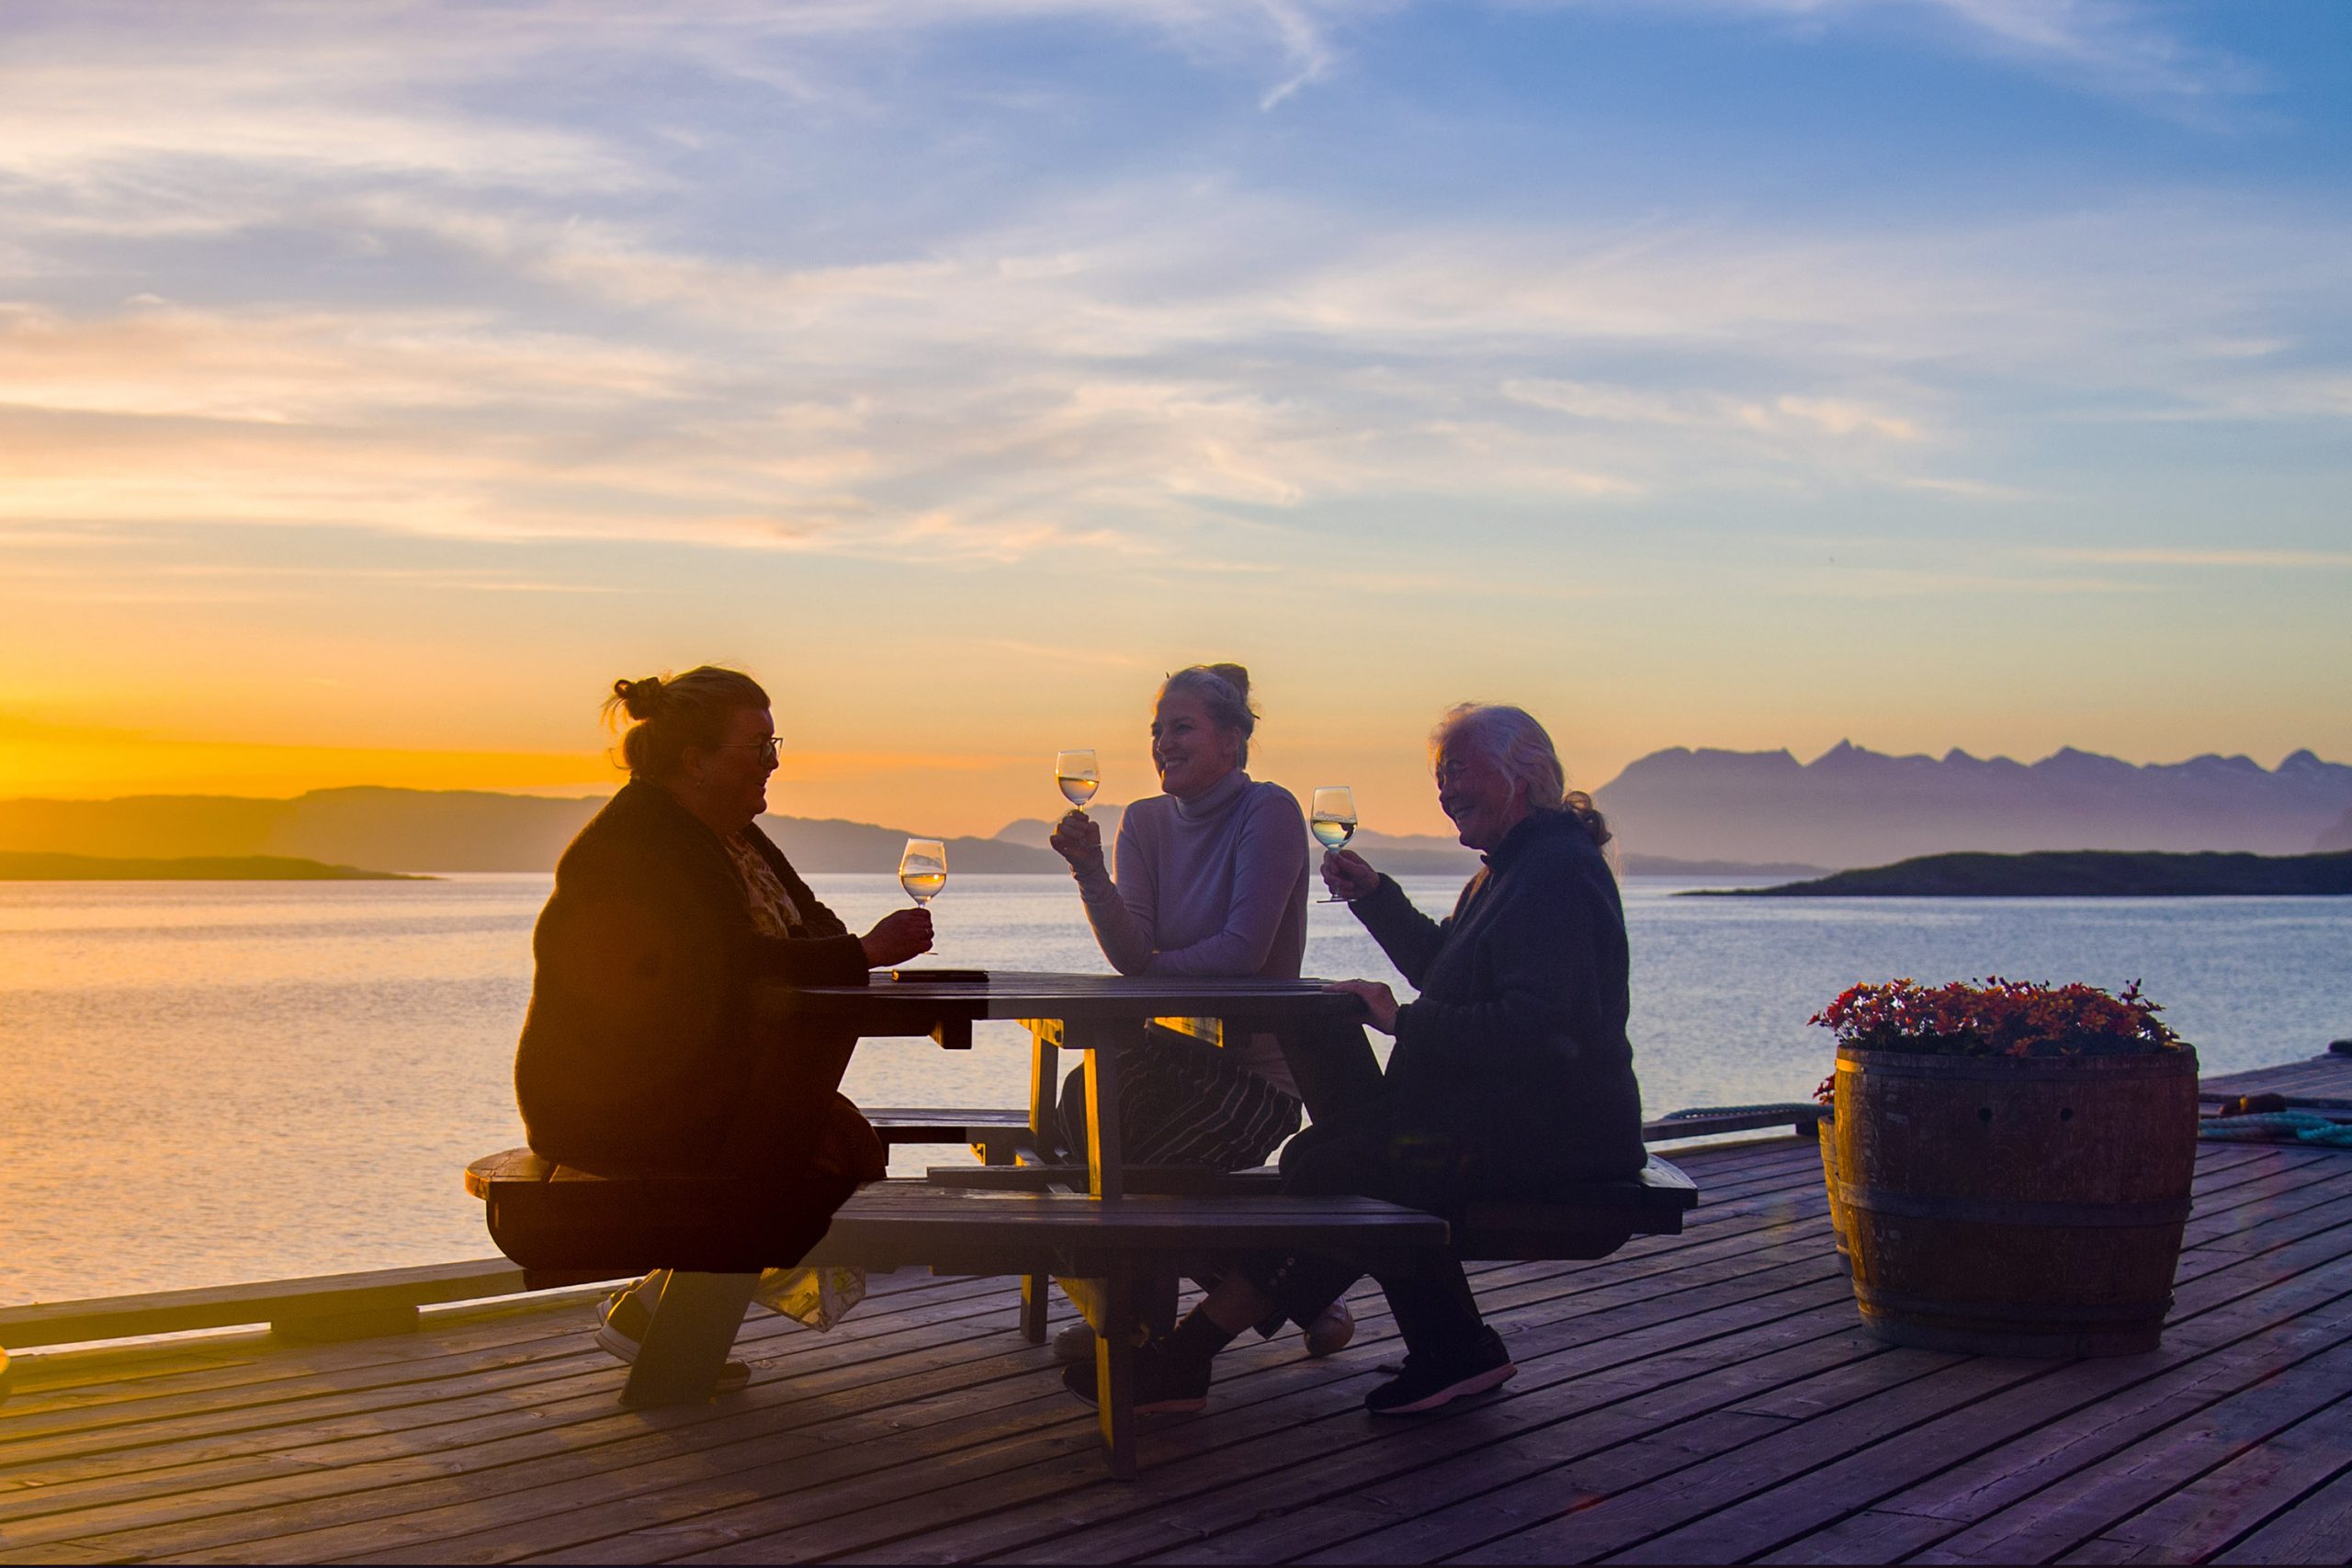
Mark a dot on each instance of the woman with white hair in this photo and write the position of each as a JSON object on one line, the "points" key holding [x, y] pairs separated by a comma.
{"points": [[1510, 1074]]}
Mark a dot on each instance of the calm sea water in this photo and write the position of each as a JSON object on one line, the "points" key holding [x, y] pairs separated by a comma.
{"points": [[211, 1082]]}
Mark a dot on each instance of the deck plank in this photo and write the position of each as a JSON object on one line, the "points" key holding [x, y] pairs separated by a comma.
{"points": [[2315, 1529]]}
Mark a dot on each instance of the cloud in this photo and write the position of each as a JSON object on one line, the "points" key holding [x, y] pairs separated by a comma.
{"points": [[2163, 555], [2118, 47], [1834, 416], [1067, 657], [1965, 490]]}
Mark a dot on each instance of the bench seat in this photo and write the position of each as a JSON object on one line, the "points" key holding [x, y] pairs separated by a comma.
{"points": [[1591, 1220], [555, 1220], [1588, 1220], [566, 1225], [895, 1224]]}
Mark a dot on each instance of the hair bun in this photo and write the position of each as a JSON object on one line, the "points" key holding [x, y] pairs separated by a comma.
{"points": [[639, 698], [1579, 806], [1238, 676]]}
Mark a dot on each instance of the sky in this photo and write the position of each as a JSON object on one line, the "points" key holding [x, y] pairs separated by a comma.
{"points": [[379, 383]]}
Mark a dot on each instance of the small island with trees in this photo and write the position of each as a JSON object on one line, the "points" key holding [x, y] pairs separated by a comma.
{"points": [[2075, 873]]}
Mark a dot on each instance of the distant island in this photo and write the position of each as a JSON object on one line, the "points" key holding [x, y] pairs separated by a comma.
{"points": [[1691, 870], [26, 867], [2075, 874]]}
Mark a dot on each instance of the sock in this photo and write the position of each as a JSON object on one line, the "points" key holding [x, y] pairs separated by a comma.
{"points": [[1197, 1339]]}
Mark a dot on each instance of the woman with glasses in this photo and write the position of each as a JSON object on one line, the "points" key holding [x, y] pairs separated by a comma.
{"points": [[648, 1048]]}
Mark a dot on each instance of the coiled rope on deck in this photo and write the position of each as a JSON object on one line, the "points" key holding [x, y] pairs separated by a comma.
{"points": [[2278, 1127]]}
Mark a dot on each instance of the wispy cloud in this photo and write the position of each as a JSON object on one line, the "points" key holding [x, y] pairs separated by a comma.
{"points": [[2156, 555], [2110, 45], [1787, 413]]}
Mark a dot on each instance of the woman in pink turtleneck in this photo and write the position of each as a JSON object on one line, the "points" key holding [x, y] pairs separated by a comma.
{"points": [[1212, 881]]}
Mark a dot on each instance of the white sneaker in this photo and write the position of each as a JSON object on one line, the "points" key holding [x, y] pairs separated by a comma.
{"points": [[1330, 1332]]}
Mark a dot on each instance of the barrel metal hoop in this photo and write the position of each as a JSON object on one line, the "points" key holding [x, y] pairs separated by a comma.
{"points": [[2015, 1211], [1874, 1300], [2132, 1068]]}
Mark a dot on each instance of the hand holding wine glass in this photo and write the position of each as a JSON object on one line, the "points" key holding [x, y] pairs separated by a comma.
{"points": [[897, 936], [1349, 876], [1078, 839], [1333, 823]]}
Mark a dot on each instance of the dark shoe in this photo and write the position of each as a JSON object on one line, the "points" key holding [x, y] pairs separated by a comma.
{"points": [[621, 1323], [1432, 1383], [1163, 1387]]}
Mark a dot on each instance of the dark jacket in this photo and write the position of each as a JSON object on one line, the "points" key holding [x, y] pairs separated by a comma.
{"points": [[1515, 1053], [645, 1034]]}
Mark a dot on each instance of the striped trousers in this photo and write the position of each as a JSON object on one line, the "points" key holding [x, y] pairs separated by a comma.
{"points": [[1183, 1101]]}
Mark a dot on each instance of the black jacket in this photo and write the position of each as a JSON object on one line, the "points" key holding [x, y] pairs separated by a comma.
{"points": [[1515, 1053], [644, 1030]]}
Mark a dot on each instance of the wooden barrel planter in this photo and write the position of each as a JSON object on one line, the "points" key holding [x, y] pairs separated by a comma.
{"points": [[2014, 1206]]}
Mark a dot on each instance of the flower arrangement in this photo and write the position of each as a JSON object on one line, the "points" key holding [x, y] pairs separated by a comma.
{"points": [[1994, 1017]]}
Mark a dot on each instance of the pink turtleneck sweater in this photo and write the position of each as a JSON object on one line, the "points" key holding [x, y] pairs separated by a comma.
{"points": [[1212, 886]]}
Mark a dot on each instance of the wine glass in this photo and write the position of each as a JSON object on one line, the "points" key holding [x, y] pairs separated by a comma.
{"points": [[1333, 822], [1078, 775], [922, 870]]}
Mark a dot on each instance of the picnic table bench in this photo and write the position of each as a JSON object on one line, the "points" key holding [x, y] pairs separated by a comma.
{"points": [[1584, 1221]]}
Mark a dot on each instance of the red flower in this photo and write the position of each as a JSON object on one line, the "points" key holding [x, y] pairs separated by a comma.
{"points": [[1996, 1016]]}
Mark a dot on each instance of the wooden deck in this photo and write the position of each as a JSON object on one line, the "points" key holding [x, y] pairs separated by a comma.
{"points": [[1709, 1398]]}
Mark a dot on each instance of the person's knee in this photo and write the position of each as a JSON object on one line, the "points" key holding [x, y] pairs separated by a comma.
{"points": [[1327, 1161], [847, 1144]]}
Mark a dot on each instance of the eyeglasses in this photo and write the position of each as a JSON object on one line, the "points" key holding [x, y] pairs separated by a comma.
{"points": [[772, 746]]}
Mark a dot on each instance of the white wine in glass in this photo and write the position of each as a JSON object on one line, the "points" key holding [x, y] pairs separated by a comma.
{"points": [[1080, 777], [922, 870], [1333, 822]]}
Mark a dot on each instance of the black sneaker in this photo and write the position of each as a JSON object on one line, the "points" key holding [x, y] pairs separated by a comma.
{"points": [[1163, 1387], [1432, 1383]]}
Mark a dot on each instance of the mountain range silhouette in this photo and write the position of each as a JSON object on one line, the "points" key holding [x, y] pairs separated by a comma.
{"points": [[1850, 807]]}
